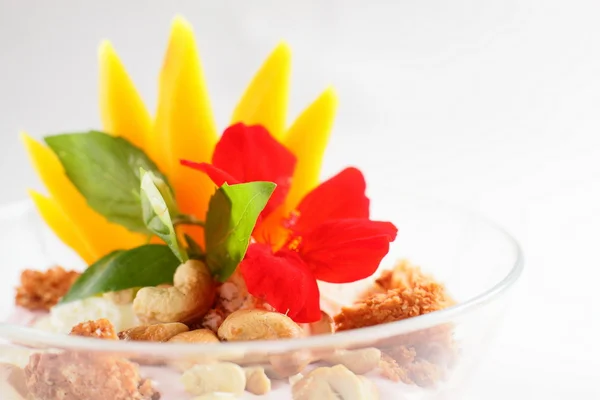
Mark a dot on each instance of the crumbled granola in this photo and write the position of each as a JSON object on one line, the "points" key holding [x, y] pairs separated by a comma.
{"points": [[212, 320], [404, 275], [84, 376], [76, 375], [101, 329], [394, 305], [232, 295], [391, 370], [147, 391], [425, 373], [435, 344], [422, 373], [41, 290], [419, 357], [402, 355], [400, 293]]}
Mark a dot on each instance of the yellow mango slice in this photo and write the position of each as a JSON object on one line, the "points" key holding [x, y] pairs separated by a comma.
{"points": [[121, 108], [101, 236], [184, 124], [265, 101], [307, 138], [61, 225]]}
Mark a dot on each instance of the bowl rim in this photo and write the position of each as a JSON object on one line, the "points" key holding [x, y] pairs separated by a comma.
{"points": [[35, 338]]}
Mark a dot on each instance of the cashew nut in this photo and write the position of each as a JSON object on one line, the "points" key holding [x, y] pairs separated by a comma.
{"points": [[12, 382], [334, 383], [358, 361], [220, 377], [257, 381], [286, 365], [258, 325], [121, 297], [153, 333], [295, 379], [324, 326], [189, 298], [195, 336]]}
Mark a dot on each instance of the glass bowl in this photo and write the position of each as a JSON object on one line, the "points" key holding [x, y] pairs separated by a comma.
{"points": [[434, 353]]}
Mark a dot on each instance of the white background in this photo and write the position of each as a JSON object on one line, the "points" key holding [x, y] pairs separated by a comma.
{"points": [[493, 105]]}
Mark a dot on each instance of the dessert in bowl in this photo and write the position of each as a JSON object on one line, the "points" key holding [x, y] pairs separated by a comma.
{"points": [[193, 265]]}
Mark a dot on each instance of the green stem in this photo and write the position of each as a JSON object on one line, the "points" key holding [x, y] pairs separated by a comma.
{"points": [[185, 219]]}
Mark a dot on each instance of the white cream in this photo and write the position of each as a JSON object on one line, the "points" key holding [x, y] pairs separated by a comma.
{"points": [[64, 317]]}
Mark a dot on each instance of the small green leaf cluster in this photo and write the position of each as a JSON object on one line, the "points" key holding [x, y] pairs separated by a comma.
{"points": [[121, 183]]}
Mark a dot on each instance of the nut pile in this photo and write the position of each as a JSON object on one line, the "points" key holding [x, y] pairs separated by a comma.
{"points": [[195, 309], [77, 375]]}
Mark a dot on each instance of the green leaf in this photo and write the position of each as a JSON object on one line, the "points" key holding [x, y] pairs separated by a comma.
{"points": [[158, 206], [230, 220], [186, 219], [106, 171], [147, 265], [193, 248]]}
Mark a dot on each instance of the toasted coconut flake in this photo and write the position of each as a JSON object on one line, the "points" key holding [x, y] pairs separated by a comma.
{"points": [[41, 290]]}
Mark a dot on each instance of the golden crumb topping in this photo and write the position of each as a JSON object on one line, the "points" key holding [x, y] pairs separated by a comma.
{"points": [[391, 370], [416, 358], [40, 290], [422, 372], [83, 376], [400, 293], [394, 305], [231, 296], [77, 375], [404, 275], [101, 329]]}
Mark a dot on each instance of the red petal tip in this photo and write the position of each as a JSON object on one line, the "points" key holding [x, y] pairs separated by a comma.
{"points": [[283, 280]]}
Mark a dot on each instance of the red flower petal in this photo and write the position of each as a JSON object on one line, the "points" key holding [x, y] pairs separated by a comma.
{"points": [[283, 280], [218, 176], [250, 154], [311, 312], [340, 197], [346, 250]]}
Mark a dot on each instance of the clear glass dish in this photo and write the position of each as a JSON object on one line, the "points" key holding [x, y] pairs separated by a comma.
{"points": [[477, 261]]}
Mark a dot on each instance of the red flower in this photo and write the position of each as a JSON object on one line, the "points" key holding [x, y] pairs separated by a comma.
{"points": [[332, 240], [250, 154], [342, 196], [284, 280], [331, 236]]}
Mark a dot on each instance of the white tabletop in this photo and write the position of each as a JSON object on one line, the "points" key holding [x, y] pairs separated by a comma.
{"points": [[494, 105]]}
